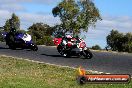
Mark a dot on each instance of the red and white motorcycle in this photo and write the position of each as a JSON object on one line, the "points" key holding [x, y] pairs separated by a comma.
{"points": [[72, 47]]}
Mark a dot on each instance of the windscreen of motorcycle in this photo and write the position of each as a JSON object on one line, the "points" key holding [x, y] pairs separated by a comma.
{"points": [[26, 37]]}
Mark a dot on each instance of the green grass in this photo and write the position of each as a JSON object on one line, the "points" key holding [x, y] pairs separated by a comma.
{"points": [[18, 73]]}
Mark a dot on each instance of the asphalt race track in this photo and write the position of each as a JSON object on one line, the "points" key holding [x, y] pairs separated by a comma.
{"points": [[102, 61]]}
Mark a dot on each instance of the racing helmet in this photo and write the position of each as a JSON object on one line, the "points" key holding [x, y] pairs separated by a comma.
{"points": [[69, 37]]}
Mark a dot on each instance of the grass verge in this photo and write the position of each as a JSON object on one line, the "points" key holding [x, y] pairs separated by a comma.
{"points": [[18, 73]]}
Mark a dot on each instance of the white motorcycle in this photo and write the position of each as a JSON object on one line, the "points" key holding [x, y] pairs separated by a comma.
{"points": [[74, 47]]}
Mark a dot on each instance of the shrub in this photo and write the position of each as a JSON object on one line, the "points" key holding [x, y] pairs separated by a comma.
{"points": [[96, 47], [46, 40]]}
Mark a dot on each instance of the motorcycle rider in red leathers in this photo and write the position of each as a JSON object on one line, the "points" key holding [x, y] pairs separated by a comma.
{"points": [[71, 46], [65, 41]]}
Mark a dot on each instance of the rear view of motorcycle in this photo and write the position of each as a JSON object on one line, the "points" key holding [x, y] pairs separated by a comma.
{"points": [[69, 46], [19, 40]]}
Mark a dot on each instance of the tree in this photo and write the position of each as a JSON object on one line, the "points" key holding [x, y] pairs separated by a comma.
{"points": [[76, 16], [96, 47], [7, 26], [128, 42], [21, 31], [112, 39], [40, 32], [13, 22], [57, 31], [119, 41]]}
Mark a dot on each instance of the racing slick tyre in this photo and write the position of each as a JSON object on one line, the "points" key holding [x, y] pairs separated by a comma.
{"points": [[10, 41], [87, 54], [12, 47], [59, 48], [34, 47]]}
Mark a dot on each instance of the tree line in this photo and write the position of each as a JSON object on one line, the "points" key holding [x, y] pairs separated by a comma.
{"points": [[41, 33], [75, 16], [117, 41], [121, 42]]}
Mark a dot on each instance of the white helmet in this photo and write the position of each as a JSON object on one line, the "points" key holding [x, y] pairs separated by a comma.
{"points": [[68, 36]]}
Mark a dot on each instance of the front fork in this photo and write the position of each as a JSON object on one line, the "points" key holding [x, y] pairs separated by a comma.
{"points": [[83, 51]]}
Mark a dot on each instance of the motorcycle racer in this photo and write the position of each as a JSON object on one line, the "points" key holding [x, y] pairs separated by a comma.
{"points": [[66, 39], [70, 46]]}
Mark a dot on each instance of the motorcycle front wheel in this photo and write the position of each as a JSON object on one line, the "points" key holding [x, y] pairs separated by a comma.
{"points": [[34, 47], [87, 54]]}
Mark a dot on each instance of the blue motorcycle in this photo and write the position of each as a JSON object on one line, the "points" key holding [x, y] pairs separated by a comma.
{"points": [[19, 40]]}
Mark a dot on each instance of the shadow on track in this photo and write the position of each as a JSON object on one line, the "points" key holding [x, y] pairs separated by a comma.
{"points": [[10, 49], [52, 55], [59, 56], [3, 48]]}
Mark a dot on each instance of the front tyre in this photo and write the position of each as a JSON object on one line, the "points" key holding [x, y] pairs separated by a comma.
{"points": [[34, 47], [59, 48], [87, 54]]}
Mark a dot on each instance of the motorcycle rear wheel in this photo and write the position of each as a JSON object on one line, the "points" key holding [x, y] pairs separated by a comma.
{"points": [[12, 47]]}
